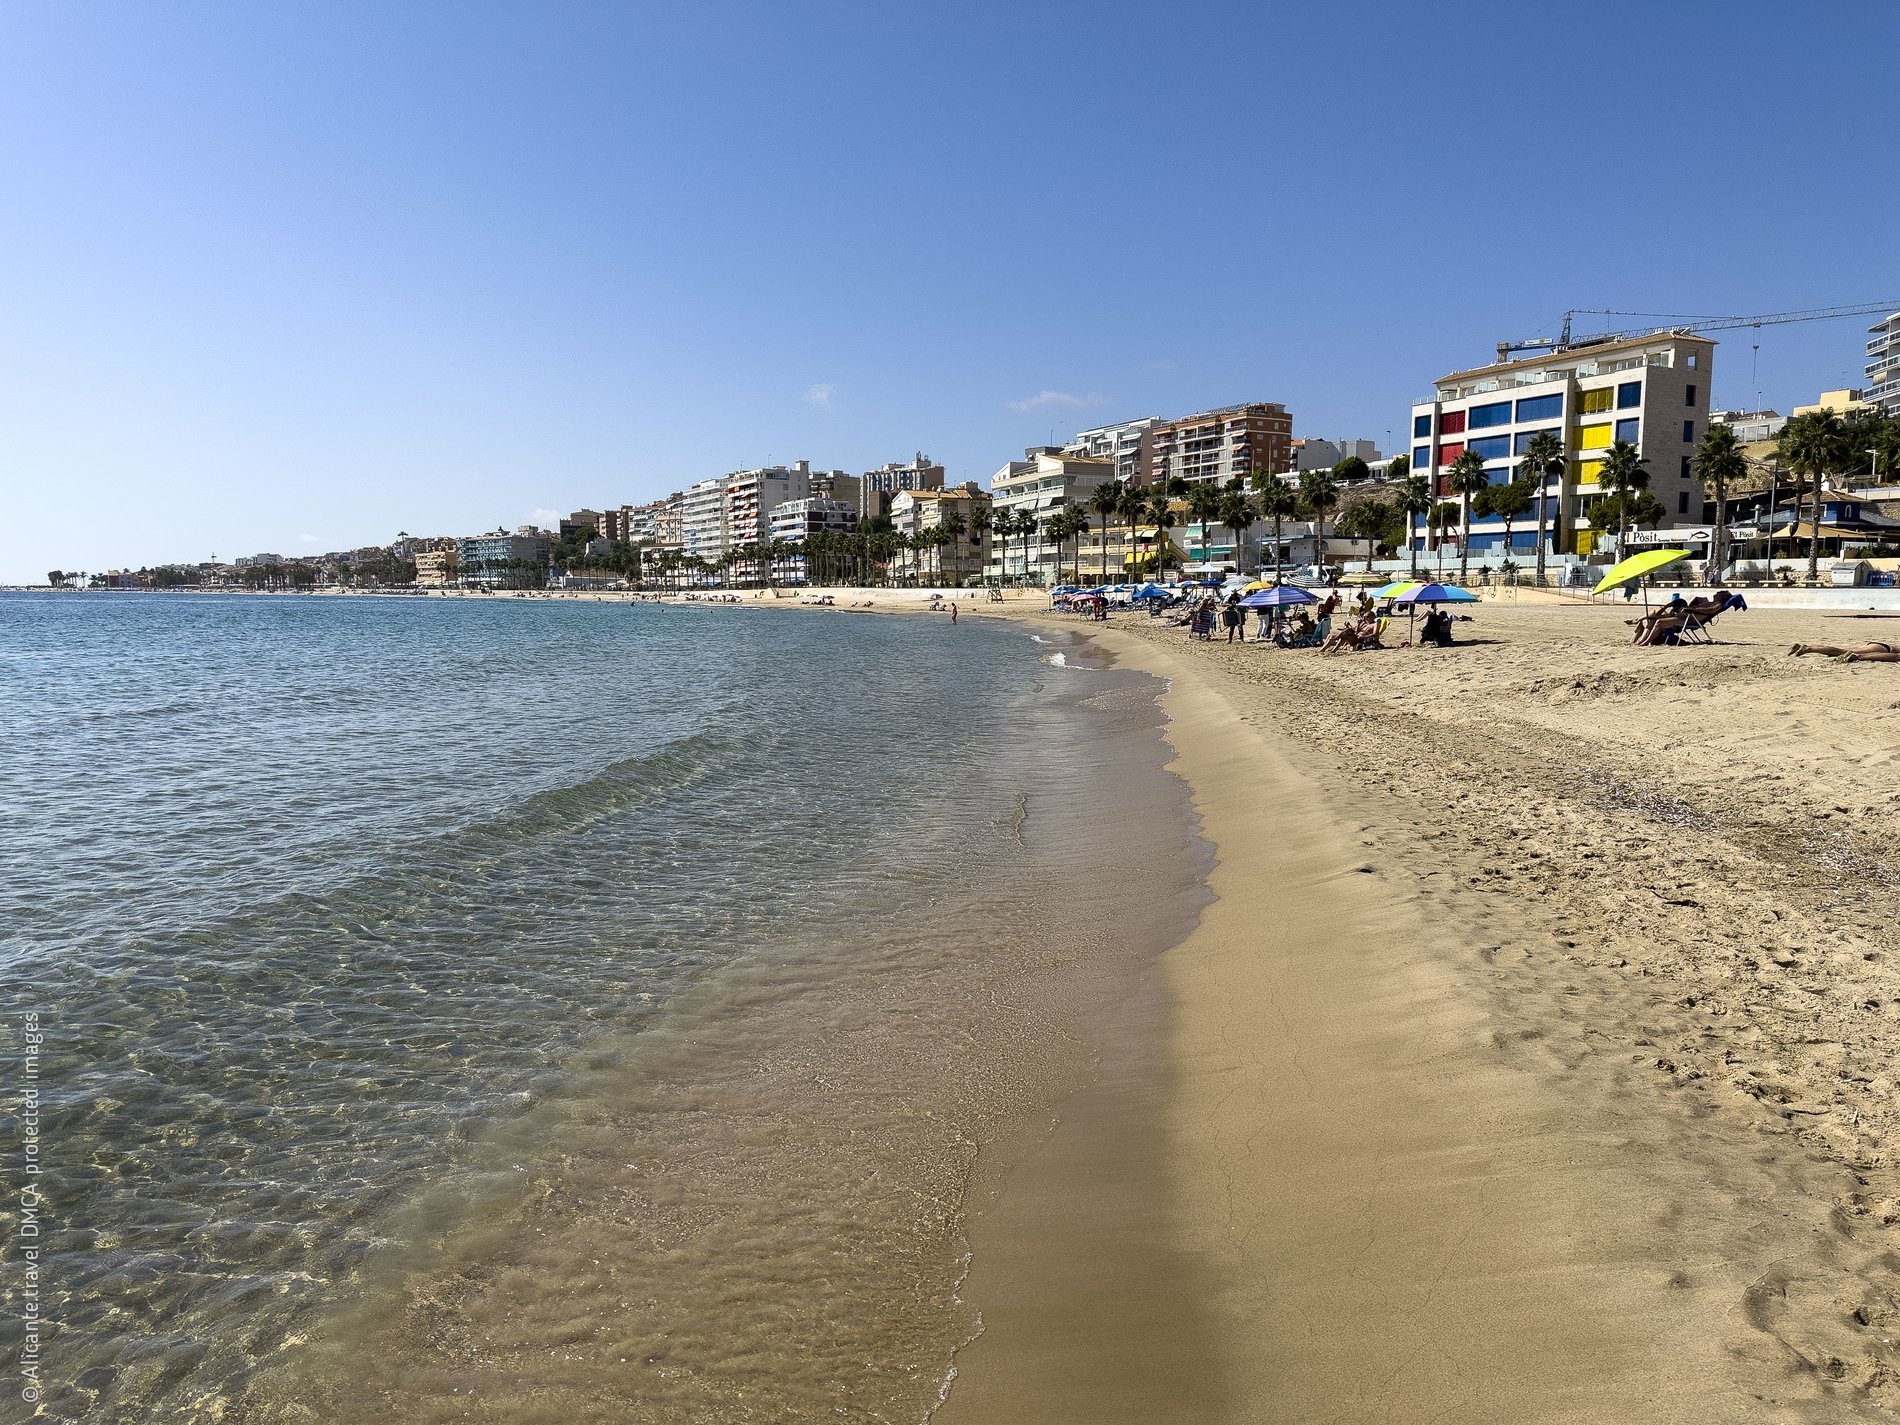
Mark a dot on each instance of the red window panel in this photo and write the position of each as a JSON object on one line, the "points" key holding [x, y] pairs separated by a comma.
{"points": [[1449, 453], [1451, 423]]}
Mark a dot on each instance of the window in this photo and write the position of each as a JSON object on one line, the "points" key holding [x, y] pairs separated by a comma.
{"points": [[1540, 408], [1421, 456], [1592, 402], [1628, 395], [1685, 467], [1688, 394], [1682, 502], [1522, 441], [1688, 432], [1451, 423], [1626, 430], [1449, 453], [1421, 427], [1498, 413], [1588, 470], [1493, 447], [1593, 437], [1695, 360]]}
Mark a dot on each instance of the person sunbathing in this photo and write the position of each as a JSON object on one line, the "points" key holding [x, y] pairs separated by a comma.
{"points": [[1875, 652], [1353, 638]]}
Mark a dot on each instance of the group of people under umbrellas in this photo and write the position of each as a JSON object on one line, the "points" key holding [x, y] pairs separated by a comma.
{"points": [[1287, 622]]}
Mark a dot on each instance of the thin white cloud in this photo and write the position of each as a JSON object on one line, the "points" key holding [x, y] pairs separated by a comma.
{"points": [[820, 395], [1052, 398], [308, 539], [544, 519]]}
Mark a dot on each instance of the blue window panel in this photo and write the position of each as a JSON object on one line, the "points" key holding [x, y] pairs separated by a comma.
{"points": [[1521, 441], [1626, 430], [1628, 395], [1540, 408], [1421, 427], [1688, 432], [1421, 458], [1491, 447], [1498, 413]]}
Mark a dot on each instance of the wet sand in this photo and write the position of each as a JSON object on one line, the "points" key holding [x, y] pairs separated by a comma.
{"points": [[1535, 1061]]}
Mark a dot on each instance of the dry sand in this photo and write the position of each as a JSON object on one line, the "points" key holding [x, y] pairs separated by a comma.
{"points": [[1536, 1060]]}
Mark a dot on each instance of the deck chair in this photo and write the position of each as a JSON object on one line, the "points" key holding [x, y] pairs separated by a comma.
{"points": [[1695, 628]]}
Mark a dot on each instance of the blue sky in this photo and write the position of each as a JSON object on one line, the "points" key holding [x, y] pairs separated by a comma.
{"points": [[296, 276]]}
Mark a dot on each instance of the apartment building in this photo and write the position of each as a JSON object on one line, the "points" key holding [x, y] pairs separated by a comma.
{"points": [[1883, 365], [1652, 391], [877, 488], [1127, 445], [501, 557], [1219, 445], [752, 495], [794, 522], [1044, 481], [703, 520], [915, 512], [436, 567], [583, 520], [1313, 453]]}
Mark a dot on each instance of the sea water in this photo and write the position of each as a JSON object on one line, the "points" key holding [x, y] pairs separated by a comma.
{"points": [[524, 1009]]}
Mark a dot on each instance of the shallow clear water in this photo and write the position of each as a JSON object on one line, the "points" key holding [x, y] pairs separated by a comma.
{"points": [[316, 897]]}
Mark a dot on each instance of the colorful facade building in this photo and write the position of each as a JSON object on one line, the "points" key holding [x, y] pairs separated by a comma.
{"points": [[1651, 391]]}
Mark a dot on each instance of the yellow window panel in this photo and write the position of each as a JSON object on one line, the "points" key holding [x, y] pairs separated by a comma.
{"points": [[1588, 470], [1595, 401], [1594, 437]]}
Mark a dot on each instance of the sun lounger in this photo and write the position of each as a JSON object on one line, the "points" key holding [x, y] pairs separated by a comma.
{"points": [[1695, 628]]}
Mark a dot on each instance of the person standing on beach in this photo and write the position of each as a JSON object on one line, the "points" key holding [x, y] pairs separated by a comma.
{"points": [[953, 611]]}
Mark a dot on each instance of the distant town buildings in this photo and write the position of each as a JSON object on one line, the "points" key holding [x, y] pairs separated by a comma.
{"points": [[1651, 391]]}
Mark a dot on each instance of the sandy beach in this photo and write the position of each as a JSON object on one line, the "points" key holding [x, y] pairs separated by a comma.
{"points": [[1535, 1060]]}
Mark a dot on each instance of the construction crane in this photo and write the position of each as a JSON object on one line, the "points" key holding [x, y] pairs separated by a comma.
{"points": [[1564, 341]]}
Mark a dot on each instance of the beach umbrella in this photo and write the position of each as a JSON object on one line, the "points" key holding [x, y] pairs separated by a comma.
{"points": [[1437, 594], [1430, 594], [1395, 588], [1151, 591], [1637, 565], [1277, 596]]}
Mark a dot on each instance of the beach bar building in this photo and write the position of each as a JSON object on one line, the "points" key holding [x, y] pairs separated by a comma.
{"points": [[1652, 391]]}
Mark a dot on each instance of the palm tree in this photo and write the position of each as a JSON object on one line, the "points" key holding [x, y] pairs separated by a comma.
{"points": [[1810, 444], [1203, 502], [1236, 512], [1134, 506], [1466, 477], [1278, 503], [1319, 490], [1543, 458], [1510, 501], [1106, 501], [1414, 498], [1624, 471], [1718, 460], [954, 527], [982, 522], [1161, 515]]}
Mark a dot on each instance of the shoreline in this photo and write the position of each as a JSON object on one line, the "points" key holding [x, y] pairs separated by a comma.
{"points": [[1496, 1185]]}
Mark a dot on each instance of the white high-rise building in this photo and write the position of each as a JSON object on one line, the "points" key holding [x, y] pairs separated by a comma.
{"points": [[1125, 444], [1883, 365]]}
